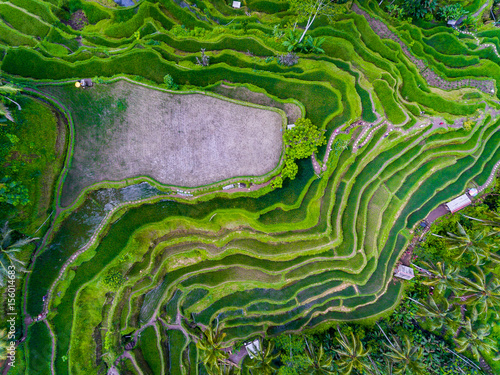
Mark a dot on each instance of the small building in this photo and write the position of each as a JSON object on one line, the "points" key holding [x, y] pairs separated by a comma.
{"points": [[290, 126], [473, 192], [227, 187], [253, 348], [404, 272], [458, 203], [236, 4]]}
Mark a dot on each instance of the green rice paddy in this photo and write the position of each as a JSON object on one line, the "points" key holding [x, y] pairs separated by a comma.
{"points": [[320, 249]]}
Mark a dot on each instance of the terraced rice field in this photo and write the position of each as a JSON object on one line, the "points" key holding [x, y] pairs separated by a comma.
{"points": [[257, 260]]}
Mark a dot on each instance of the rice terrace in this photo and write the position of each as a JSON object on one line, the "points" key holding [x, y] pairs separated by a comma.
{"points": [[249, 187]]}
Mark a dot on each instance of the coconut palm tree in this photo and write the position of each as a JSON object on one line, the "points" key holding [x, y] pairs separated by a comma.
{"points": [[8, 253], [352, 355], [3, 344], [475, 339], [440, 313], [320, 363], [262, 361], [441, 277], [482, 293], [211, 353], [493, 220], [406, 358], [476, 243], [5, 90], [228, 369]]}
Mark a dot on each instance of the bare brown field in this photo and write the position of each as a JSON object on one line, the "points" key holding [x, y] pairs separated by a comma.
{"points": [[124, 130]]}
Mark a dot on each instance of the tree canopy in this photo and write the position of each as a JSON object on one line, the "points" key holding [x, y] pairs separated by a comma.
{"points": [[304, 139]]}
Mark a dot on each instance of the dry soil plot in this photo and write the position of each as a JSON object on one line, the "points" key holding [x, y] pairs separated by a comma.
{"points": [[124, 130]]}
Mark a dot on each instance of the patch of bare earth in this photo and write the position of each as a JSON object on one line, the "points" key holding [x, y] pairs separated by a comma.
{"points": [[177, 139], [78, 20]]}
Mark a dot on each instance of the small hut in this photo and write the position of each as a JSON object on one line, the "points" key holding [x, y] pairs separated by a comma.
{"points": [[253, 348], [458, 203], [404, 272], [86, 82], [236, 4]]}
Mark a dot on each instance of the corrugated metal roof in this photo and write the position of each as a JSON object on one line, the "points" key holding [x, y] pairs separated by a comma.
{"points": [[404, 272], [458, 203]]}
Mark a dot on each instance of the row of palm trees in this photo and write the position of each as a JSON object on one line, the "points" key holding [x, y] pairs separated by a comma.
{"points": [[465, 300], [352, 357]]}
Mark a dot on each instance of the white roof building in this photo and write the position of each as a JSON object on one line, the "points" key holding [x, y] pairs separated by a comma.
{"points": [[236, 4], [404, 272], [458, 203], [253, 348]]}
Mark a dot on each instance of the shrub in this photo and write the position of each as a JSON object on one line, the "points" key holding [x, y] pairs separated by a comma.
{"points": [[113, 279], [277, 182], [468, 124], [418, 8], [13, 192], [451, 12], [306, 45], [169, 82], [290, 170], [468, 24], [395, 10]]}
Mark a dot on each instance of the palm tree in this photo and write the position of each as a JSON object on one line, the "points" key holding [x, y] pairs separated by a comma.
{"points": [[228, 369], [441, 277], [406, 358], [493, 221], [352, 355], [440, 313], [263, 358], [5, 90], [476, 340], [319, 364], [3, 344], [8, 253], [475, 243], [212, 354], [482, 293]]}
